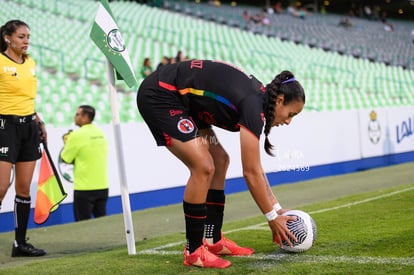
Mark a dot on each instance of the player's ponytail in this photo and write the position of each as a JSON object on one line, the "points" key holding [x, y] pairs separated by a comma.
{"points": [[283, 84]]}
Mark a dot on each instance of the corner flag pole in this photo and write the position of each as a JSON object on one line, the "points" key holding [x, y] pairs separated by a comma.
{"points": [[107, 36], [126, 206]]}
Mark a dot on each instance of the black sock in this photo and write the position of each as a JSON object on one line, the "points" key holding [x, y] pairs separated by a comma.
{"points": [[215, 211], [21, 218], [195, 218]]}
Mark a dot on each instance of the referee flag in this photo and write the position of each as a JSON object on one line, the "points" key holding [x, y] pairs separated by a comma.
{"points": [[50, 191], [107, 36]]}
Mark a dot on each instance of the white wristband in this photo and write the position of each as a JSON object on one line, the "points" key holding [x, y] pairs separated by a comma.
{"points": [[277, 207], [270, 216]]}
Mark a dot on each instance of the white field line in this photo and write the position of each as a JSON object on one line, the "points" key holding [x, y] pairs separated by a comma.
{"points": [[363, 201], [297, 258], [301, 257]]}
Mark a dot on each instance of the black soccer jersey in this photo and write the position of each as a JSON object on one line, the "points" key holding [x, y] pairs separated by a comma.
{"points": [[217, 93]]}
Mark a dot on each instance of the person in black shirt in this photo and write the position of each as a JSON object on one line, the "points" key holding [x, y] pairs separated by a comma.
{"points": [[180, 103]]}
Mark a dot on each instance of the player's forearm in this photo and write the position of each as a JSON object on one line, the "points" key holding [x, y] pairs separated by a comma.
{"points": [[258, 187], [269, 191]]}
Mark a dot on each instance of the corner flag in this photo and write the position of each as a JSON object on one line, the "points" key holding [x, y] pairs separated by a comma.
{"points": [[107, 36], [50, 191]]}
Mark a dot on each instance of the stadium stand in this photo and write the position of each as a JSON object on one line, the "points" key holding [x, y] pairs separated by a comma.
{"points": [[365, 39], [340, 69]]}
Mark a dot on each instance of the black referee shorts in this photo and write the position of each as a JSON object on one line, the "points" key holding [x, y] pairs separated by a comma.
{"points": [[19, 138]]}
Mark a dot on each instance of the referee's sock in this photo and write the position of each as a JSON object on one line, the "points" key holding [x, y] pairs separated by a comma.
{"points": [[195, 218], [215, 212], [21, 218]]}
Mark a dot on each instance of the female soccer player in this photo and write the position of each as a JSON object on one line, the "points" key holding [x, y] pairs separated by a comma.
{"points": [[179, 103], [19, 126]]}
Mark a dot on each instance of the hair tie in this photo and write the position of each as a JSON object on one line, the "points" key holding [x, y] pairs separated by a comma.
{"points": [[289, 80]]}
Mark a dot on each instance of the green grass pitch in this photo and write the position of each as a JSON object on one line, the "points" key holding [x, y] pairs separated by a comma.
{"points": [[367, 230]]}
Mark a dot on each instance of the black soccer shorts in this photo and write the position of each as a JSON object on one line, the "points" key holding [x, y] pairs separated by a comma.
{"points": [[165, 112]]}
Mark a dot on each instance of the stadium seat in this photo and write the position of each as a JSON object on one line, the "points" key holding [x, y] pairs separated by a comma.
{"points": [[72, 69]]}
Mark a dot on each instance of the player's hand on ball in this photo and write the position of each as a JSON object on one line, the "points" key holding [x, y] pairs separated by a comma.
{"points": [[280, 231], [282, 210]]}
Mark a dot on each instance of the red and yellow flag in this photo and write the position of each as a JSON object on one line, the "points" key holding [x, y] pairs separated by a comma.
{"points": [[50, 191]]}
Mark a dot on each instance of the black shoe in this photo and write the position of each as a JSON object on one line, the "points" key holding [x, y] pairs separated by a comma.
{"points": [[26, 250]]}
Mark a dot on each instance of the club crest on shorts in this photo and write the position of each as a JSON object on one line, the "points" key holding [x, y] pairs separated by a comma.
{"points": [[185, 126]]}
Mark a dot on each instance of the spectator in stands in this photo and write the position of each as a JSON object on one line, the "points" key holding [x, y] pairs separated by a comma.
{"points": [[265, 20], [322, 10], [246, 16], [368, 12], [256, 18], [180, 104], [87, 149], [383, 17], [164, 61], [179, 57], [21, 129], [291, 10], [260, 19], [376, 13], [345, 22], [301, 13], [278, 8], [268, 9], [146, 68], [387, 25]]}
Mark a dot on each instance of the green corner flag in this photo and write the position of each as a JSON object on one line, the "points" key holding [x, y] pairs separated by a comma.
{"points": [[107, 36]]}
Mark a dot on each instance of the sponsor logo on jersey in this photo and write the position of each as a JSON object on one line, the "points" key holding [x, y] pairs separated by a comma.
{"points": [[176, 112]]}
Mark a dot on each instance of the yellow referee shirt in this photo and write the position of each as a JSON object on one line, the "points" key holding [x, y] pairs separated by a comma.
{"points": [[18, 86]]}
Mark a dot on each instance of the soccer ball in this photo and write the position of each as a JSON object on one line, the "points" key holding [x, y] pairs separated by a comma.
{"points": [[304, 229]]}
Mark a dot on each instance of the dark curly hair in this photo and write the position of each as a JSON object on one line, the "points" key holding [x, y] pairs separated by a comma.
{"points": [[283, 84]]}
